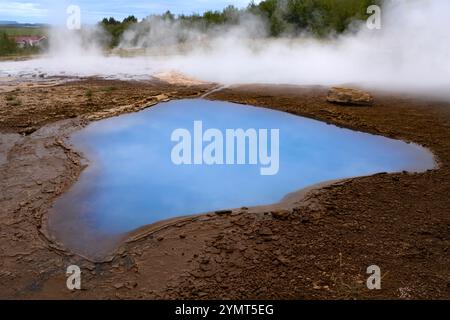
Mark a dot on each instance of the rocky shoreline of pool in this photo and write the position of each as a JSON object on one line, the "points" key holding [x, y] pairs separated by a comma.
{"points": [[316, 244]]}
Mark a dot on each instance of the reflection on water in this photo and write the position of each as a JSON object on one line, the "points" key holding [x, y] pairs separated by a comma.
{"points": [[131, 180]]}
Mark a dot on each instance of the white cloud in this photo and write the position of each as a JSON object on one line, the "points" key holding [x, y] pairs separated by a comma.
{"points": [[21, 9]]}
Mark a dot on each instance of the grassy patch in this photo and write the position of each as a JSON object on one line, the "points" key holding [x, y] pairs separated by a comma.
{"points": [[13, 101], [23, 31], [89, 94], [16, 103], [109, 89]]}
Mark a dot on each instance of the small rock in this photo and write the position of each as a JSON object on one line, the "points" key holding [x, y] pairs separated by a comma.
{"points": [[28, 131], [281, 214], [283, 260], [348, 96], [265, 232], [261, 290], [305, 220], [119, 286], [132, 284], [223, 212], [162, 98], [90, 266], [205, 267], [316, 287]]}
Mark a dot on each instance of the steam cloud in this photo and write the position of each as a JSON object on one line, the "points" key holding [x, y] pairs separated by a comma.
{"points": [[410, 53]]}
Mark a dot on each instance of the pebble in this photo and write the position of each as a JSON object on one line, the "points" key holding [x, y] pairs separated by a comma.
{"points": [[223, 212]]}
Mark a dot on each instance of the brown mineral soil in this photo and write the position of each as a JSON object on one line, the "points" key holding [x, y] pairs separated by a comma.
{"points": [[317, 244]]}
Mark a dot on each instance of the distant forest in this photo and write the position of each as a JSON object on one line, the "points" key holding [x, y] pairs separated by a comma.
{"points": [[320, 18]]}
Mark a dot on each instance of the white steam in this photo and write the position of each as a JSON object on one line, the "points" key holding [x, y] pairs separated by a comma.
{"points": [[166, 35], [410, 53]]}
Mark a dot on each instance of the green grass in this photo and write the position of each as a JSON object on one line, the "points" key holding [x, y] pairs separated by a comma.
{"points": [[13, 101], [109, 89], [23, 31], [89, 94]]}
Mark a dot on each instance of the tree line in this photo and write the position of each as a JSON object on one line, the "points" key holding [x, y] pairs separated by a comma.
{"points": [[320, 18]]}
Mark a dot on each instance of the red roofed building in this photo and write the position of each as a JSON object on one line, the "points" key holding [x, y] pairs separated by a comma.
{"points": [[29, 41]]}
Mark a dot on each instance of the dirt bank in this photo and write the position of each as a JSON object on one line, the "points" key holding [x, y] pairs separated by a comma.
{"points": [[319, 248]]}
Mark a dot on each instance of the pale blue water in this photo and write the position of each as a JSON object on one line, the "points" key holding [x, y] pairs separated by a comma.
{"points": [[131, 180]]}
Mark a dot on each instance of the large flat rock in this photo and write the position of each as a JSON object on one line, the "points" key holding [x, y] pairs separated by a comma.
{"points": [[347, 96]]}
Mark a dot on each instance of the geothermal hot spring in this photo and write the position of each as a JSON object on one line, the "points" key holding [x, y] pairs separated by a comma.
{"points": [[131, 180]]}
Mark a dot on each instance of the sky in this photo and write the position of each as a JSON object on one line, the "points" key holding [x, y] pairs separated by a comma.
{"points": [[54, 11]]}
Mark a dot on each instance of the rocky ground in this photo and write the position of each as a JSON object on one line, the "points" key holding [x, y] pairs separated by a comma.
{"points": [[315, 245]]}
